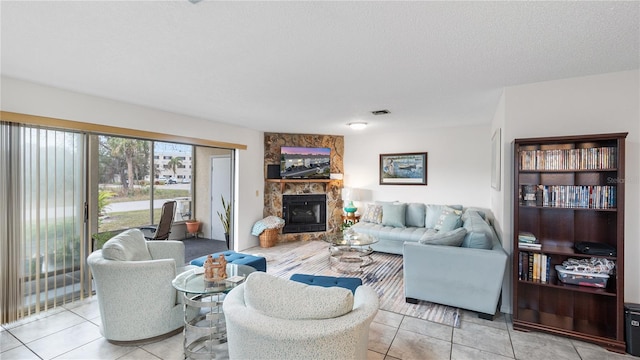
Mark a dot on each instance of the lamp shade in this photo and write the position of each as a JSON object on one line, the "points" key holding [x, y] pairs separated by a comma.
{"points": [[346, 194]]}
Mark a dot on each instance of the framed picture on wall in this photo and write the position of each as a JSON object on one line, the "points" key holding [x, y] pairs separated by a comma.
{"points": [[403, 169]]}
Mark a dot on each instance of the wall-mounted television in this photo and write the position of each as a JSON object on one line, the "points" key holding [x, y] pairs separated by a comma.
{"points": [[305, 162]]}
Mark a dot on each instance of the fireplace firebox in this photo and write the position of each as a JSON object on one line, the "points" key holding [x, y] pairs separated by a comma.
{"points": [[304, 213]]}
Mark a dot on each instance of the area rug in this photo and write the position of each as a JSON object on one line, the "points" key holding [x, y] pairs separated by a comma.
{"points": [[384, 275]]}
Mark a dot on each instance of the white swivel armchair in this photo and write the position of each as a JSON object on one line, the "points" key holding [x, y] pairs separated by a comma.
{"points": [[274, 318], [133, 283]]}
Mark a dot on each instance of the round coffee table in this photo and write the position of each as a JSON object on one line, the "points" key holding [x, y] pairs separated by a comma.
{"points": [[350, 251], [205, 335]]}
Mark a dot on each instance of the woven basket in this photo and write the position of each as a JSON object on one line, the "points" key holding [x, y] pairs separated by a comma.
{"points": [[269, 237]]}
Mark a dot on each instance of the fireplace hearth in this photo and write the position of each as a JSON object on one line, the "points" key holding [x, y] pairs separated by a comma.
{"points": [[304, 213]]}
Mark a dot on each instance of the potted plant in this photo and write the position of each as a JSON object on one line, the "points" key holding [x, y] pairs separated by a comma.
{"points": [[225, 218], [193, 226]]}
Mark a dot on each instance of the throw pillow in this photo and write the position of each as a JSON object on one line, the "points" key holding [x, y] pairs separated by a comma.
{"points": [[448, 220], [433, 213], [127, 246], [394, 214], [372, 213], [415, 215], [448, 238], [291, 300]]}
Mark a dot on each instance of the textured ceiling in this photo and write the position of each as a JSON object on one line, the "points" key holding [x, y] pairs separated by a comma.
{"points": [[312, 67]]}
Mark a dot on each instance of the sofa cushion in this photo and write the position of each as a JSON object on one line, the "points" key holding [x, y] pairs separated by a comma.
{"points": [[394, 214], [127, 246], [433, 213], [372, 213], [479, 233], [468, 211], [448, 238], [415, 215], [448, 220], [291, 300]]}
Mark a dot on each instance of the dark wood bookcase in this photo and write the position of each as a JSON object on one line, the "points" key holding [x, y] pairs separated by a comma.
{"points": [[566, 190]]}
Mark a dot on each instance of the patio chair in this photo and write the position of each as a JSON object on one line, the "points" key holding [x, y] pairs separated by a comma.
{"points": [[163, 229]]}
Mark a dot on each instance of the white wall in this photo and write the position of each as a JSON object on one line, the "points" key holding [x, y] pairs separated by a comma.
{"points": [[29, 98], [604, 103], [501, 202], [458, 164]]}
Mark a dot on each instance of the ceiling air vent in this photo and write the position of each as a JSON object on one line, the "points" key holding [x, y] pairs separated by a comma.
{"points": [[380, 112]]}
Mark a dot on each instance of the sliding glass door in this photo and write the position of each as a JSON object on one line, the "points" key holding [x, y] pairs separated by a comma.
{"points": [[61, 189], [46, 244]]}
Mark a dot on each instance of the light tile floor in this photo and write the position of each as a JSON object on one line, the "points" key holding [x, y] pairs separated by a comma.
{"points": [[72, 332]]}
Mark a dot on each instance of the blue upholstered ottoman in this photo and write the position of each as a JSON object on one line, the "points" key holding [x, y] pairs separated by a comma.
{"points": [[257, 262], [350, 283]]}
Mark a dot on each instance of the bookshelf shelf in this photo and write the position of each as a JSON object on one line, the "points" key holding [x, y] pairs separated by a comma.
{"points": [[566, 191], [555, 283], [566, 208], [568, 171]]}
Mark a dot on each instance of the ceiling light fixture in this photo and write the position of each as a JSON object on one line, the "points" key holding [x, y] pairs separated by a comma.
{"points": [[358, 125]]}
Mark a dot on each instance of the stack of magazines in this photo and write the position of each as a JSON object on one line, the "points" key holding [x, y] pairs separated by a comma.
{"points": [[527, 240]]}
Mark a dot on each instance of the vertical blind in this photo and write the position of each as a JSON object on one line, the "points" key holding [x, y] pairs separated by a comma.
{"points": [[43, 237]]}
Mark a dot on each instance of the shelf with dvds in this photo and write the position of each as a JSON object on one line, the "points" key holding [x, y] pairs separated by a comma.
{"points": [[568, 190]]}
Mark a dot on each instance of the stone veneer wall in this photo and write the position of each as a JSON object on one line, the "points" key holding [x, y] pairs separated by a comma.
{"points": [[273, 195]]}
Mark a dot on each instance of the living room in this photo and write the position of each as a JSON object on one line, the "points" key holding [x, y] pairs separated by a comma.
{"points": [[459, 154]]}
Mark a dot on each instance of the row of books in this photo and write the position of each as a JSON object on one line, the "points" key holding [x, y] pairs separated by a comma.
{"points": [[572, 196], [569, 159], [534, 267]]}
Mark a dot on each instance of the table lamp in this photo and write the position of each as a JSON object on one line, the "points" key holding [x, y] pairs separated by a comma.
{"points": [[349, 195]]}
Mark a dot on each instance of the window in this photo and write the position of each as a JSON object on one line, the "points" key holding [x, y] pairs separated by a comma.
{"points": [[131, 199]]}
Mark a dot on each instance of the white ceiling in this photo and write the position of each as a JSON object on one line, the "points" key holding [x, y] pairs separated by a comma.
{"points": [[313, 66]]}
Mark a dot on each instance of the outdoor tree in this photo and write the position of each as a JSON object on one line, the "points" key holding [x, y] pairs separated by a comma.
{"points": [[126, 157], [174, 163], [108, 165]]}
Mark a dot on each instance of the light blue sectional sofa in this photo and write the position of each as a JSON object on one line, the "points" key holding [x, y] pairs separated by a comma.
{"points": [[451, 255]]}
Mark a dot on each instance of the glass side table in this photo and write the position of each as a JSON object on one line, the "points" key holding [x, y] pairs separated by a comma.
{"points": [[205, 335]]}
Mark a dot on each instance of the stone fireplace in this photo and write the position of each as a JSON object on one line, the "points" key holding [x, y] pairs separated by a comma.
{"points": [[275, 192], [304, 213]]}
